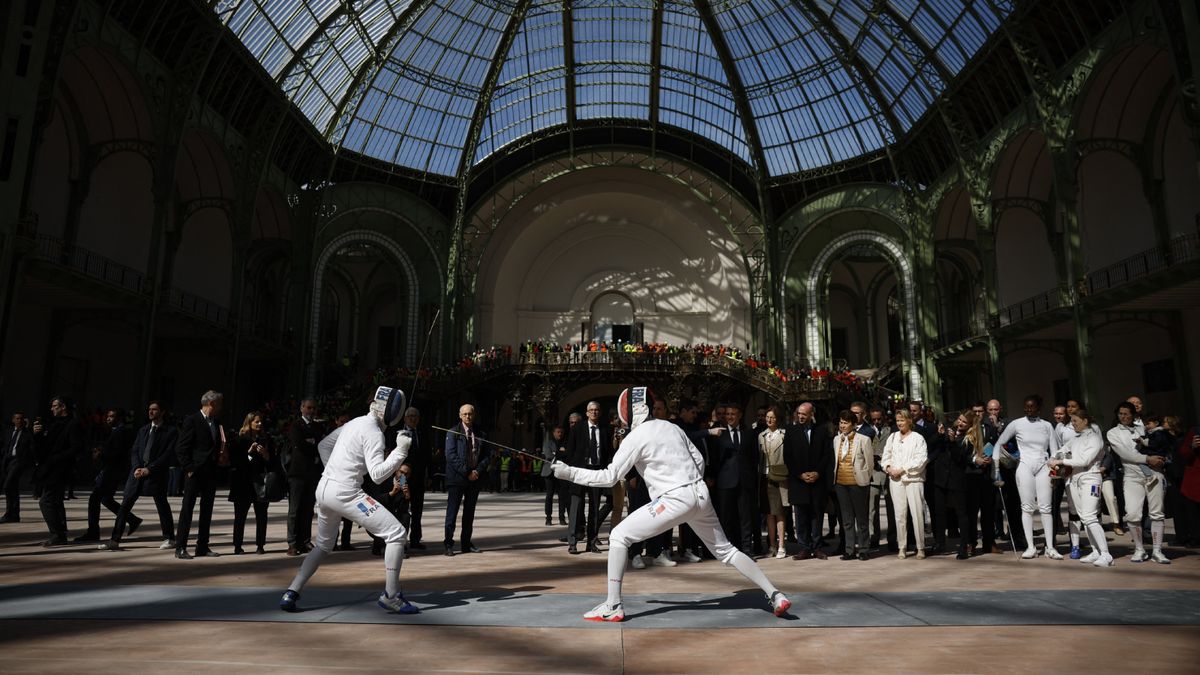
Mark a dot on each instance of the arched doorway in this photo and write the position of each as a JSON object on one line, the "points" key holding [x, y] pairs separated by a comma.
{"points": [[613, 318]]}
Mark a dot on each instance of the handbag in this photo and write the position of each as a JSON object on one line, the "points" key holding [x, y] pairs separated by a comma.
{"points": [[270, 486]]}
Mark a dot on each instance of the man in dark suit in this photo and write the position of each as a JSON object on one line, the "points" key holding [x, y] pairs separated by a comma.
{"points": [[737, 452], [808, 453], [691, 549], [16, 457], [585, 448], [150, 459], [303, 471], [113, 459], [467, 459], [201, 449], [59, 445], [418, 464]]}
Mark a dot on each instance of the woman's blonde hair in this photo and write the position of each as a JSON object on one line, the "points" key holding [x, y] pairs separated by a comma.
{"points": [[974, 432], [245, 430]]}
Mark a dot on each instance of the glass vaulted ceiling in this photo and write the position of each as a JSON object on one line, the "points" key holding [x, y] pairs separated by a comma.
{"points": [[822, 81]]}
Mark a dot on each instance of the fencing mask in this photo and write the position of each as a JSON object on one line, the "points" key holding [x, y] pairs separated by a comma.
{"points": [[635, 405], [388, 406]]}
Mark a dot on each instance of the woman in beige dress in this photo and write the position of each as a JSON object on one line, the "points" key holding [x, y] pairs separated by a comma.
{"points": [[770, 448]]}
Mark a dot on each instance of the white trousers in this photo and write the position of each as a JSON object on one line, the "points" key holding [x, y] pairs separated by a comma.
{"points": [[690, 504], [1033, 485], [1140, 489], [1110, 499], [909, 499], [1085, 495], [336, 501]]}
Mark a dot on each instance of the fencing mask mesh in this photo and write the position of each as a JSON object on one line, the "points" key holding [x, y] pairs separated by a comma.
{"points": [[388, 406], [635, 405]]}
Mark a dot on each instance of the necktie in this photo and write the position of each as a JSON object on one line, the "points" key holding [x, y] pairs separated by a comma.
{"points": [[737, 437], [595, 445], [149, 444], [16, 436], [471, 458], [212, 428]]}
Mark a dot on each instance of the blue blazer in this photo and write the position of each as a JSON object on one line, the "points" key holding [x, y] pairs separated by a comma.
{"points": [[457, 453]]}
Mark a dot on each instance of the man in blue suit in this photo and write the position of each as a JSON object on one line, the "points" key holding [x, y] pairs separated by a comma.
{"points": [[467, 458], [150, 458]]}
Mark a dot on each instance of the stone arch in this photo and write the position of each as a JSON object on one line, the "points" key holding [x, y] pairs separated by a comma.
{"points": [[406, 267], [816, 347]]}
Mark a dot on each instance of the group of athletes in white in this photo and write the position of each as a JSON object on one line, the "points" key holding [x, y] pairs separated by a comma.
{"points": [[1077, 448], [671, 466]]}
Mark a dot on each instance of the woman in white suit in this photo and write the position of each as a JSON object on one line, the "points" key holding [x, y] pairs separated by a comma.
{"points": [[904, 457], [853, 462]]}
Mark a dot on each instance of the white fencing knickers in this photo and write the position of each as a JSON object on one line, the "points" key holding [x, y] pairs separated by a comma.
{"points": [[1085, 493], [690, 504], [1033, 485], [1142, 489], [336, 501]]}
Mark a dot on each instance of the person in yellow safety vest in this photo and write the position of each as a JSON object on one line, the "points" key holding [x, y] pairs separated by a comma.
{"points": [[505, 463]]}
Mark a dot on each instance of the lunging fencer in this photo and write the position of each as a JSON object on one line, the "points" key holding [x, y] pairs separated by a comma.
{"points": [[673, 471], [360, 450]]}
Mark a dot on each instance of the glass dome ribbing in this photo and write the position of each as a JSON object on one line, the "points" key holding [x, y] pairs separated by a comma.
{"points": [[821, 81]]}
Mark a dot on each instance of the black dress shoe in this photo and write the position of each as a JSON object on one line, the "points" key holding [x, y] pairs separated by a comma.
{"points": [[86, 537], [238, 550], [573, 550], [562, 540], [562, 521], [132, 527], [962, 554], [471, 548], [55, 541], [847, 556], [862, 555], [820, 555], [182, 554], [450, 551], [417, 546], [592, 547], [548, 522], [293, 551], [260, 550], [207, 553], [7, 519]]}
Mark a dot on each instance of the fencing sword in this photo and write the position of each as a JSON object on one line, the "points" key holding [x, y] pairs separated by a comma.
{"points": [[498, 445], [1003, 507], [412, 392]]}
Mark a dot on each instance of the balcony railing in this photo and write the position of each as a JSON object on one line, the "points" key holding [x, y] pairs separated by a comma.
{"points": [[1179, 250], [1039, 304], [90, 264], [198, 307]]}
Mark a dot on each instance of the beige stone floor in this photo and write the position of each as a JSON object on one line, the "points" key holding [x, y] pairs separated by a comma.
{"points": [[521, 553]]}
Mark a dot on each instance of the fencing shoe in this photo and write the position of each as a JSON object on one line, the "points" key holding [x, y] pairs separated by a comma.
{"points": [[1158, 557], [1091, 557], [689, 556], [1104, 560], [605, 612], [1076, 554], [288, 602], [1139, 556], [638, 563], [1053, 554], [1029, 554], [663, 560], [780, 604], [397, 604]]}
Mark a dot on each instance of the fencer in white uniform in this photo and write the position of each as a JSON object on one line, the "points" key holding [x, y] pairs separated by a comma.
{"points": [[673, 470], [1143, 485], [359, 451], [1036, 442], [1084, 453]]}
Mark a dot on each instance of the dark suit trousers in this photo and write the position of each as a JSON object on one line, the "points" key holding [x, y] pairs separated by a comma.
{"points": [[738, 514], [302, 499], [937, 513], [102, 495], [133, 489], [12, 487], [810, 512], [202, 484], [240, 510], [592, 523], [466, 496], [979, 503], [53, 510], [416, 506], [557, 487]]}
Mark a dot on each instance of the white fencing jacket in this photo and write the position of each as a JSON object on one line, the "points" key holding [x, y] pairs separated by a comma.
{"points": [[360, 450], [658, 449]]}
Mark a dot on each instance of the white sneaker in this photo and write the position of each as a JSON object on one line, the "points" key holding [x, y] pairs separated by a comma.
{"points": [[603, 612], [663, 560], [1105, 560], [638, 563], [167, 545], [1091, 557], [1053, 554], [688, 556], [1029, 554], [1158, 557], [779, 603], [1139, 556], [781, 554]]}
